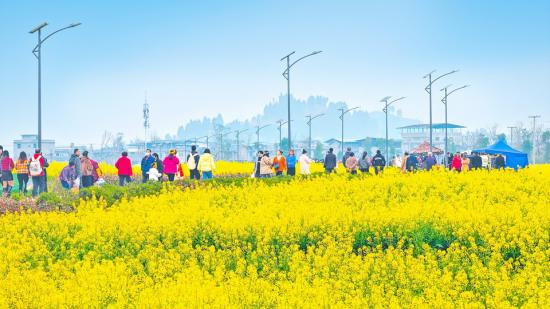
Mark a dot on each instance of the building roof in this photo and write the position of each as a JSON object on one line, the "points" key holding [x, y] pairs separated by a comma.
{"points": [[434, 126], [425, 148]]}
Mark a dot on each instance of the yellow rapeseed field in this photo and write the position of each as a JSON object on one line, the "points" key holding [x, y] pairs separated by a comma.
{"points": [[439, 239]]}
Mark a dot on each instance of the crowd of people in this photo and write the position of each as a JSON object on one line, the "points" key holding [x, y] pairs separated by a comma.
{"points": [[82, 171], [33, 169]]}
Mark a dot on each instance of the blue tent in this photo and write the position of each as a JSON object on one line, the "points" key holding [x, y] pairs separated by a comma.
{"points": [[514, 158]]}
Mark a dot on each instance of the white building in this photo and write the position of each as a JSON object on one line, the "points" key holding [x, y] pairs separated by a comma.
{"points": [[415, 135], [29, 142]]}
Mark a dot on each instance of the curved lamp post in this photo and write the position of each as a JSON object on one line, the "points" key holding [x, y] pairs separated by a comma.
{"points": [[309, 119], [239, 141], [37, 52], [342, 113], [385, 109], [429, 91], [445, 100], [286, 75]]}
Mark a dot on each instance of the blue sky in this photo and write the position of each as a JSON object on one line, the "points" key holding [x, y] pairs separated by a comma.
{"points": [[202, 58]]}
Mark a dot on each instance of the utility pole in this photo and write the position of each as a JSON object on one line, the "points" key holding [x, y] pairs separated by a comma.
{"points": [[429, 91], [280, 124], [445, 100], [221, 144], [387, 104], [342, 113], [146, 118], [311, 118], [37, 51], [239, 142], [512, 134], [286, 75], [258, 129], [534, 117]]}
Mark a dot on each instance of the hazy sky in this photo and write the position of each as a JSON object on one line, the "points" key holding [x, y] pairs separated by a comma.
{"points": [[202, 58]]}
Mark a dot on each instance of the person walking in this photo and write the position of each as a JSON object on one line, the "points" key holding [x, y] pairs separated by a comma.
{"points": [[291, 163], [456, 163], [124, 166], [346, 156], [97, 173], [7, 177], [22, 170], [430, 161], [279, 163], [146, 164], [305, 161], [476, 161], [75, 159], [449, 160], [158, 164], [379, 162], [207, 165], [411, 163], [351, 164], [36, 170], [171, 163], [86, 170], [193, 163], [364, 163], [404, 162], [265, 166], [500, 162], [67, 176], [465, 162], [1, 151], [398, 161], [256, 173], [330, 161]]}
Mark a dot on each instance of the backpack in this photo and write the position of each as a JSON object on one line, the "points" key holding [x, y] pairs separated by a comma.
{"points": [[34, 167], [364, 164], [191, 164]]}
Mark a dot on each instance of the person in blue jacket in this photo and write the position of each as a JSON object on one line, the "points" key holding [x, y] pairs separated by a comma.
{"points": [[146, 164], [291, 163]]}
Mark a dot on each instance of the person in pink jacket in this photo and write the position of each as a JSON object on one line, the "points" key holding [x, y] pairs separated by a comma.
{"points": [[171, 163]]}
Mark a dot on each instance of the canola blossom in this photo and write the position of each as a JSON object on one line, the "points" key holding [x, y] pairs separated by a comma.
{"points": [[430, 239]]}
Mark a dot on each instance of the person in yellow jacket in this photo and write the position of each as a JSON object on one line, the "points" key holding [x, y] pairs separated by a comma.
{"points": [[206, 164]]}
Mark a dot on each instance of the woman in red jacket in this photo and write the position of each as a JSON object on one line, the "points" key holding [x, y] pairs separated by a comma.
{"points": [[7, 176], [456, 163], [124, 166]]}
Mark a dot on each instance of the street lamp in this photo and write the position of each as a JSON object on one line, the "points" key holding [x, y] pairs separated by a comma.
{"points": [[310, 118], [220, 151], [258, 129], [238, 141], [280, 124], [387, 104], [342, 113], [429, 91], [511, 134], [286, 74], [534, 117], [37, 52], [445, 100], [206, 137]]}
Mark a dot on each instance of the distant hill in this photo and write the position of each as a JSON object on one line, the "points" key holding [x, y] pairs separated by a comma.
{"points": [[358, 124]]}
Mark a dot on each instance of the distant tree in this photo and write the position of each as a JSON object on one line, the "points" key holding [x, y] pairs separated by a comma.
{"points": [[526, 141], [501, 137], [318, 151], [482, 140], [546, 146]]}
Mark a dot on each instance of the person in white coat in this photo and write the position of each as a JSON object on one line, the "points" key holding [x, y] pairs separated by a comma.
{"points": [[305, 161]]}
